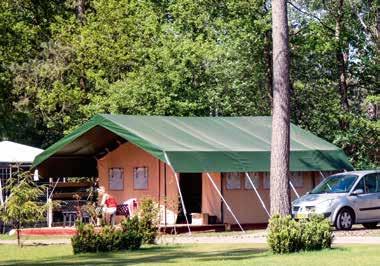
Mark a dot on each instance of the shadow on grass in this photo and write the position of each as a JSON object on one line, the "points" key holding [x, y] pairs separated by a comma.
{"points": [[152, 255]]}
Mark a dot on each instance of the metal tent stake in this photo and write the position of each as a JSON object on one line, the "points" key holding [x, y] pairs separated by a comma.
{"points": [[225, 202], [179, 191], [257, 193]]}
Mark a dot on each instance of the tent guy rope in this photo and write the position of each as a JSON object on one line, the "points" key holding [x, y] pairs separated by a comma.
{"points": [[179, 191], [257, 193], [224, 201], [294, 189]]}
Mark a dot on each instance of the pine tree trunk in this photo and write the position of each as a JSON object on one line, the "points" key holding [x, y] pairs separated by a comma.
{"points": [[269, 67], [80, 7], [341, 57], [279, 185]]}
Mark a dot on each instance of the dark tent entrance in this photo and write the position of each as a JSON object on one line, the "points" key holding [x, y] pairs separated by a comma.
{"points": [[191, 187]]}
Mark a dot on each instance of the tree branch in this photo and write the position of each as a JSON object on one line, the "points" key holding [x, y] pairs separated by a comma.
{"points": [[313, 16]]}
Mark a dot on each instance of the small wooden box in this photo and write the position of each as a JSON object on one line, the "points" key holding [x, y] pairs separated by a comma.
{"points": [[199, 218]]}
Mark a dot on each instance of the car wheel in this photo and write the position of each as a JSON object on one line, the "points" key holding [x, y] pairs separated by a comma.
{"points": [[344, 220], [370, 225]]}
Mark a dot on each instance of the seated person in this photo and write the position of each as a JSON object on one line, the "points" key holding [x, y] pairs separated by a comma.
{"points": [[108, 204]]}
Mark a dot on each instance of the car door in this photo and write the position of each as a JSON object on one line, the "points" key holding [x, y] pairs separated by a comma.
{"points": [[368, 203], [377, 211]]}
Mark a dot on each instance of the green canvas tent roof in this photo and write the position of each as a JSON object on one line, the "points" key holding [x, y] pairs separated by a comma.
{"points": [[192, 144]]}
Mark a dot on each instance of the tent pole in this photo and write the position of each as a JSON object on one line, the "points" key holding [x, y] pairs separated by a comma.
{"points": [[1, 192], [257, 193], [323, 176], [294, 189], [52, 191], [179, 191], [225, 202]]}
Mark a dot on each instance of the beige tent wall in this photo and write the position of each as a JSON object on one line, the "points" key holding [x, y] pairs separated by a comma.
{"points": [[243, 202], [169, 197], [129, 156], [211, 202], [246, 205]]}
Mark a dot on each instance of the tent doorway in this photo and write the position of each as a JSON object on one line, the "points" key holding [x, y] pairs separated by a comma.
{"points": [[191, 188]]}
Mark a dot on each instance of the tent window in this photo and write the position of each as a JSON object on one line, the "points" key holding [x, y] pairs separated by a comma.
{"points": [[140, 178], [297, 179], [266, 180], [233, 181], [116, 178], [255, 179]]}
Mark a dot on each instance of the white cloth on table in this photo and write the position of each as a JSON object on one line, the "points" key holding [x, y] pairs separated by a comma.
{"points": [[132, 205], [109, 210]]}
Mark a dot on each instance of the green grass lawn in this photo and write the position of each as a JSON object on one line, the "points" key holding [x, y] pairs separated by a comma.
{"points": [[205, 254]]}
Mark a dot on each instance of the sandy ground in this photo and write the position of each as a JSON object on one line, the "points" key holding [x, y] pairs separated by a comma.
{"points": [[260, 240], [356, 236]]}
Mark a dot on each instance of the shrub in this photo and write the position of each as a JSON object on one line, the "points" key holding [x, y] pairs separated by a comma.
{"points": [[149, 220], [316, 233], [87, 239], [287, 235], [132, 236], [284, 235]]}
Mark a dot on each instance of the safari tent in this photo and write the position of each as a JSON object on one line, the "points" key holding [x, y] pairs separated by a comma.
{"points": [[14, 156], [215, 167]]}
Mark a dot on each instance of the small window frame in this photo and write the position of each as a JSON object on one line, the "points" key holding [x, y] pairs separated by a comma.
{"points": [[255, 176], [228, 185], [266, 176], [146, 174], [293, 176], [112, 171]]}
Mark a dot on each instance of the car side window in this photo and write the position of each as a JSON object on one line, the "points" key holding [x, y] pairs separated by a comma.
{"points": [[378, 182], [371, 183], [360, 185]]}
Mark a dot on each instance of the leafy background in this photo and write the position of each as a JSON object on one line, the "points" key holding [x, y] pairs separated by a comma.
{"points": [[62, 61]]}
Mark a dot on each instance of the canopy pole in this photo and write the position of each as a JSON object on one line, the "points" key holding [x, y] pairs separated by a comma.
{"points": [[294, 189], [55, 185], [323, 176], [179, 191], [1, 193], [225, 202], [257, 193]]}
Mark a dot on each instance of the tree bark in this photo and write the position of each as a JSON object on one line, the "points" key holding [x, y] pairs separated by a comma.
{"points": [[279, 170], [341, 57], [269, 67], [81, 9], [18, 236], [80, 6]]}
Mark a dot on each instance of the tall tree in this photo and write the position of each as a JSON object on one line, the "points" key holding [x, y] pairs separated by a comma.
{"points": [[279, 170], [342, 57]]}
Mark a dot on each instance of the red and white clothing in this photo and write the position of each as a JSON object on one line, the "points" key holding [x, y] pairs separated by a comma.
{"points": [[109, 204]]}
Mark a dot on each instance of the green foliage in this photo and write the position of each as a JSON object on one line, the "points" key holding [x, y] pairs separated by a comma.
{"points": [[24, 27], [89, 239], [183, 58], [287, 235], [132, 232], [22, 207], [316, 233], [284, 235], [360, 141], [149, 220]]}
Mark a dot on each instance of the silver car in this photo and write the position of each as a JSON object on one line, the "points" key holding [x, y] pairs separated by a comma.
{"points": [[345, 199]]}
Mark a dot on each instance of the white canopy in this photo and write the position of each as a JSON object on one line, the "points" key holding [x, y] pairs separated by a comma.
{"points": [[11, 152]]}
